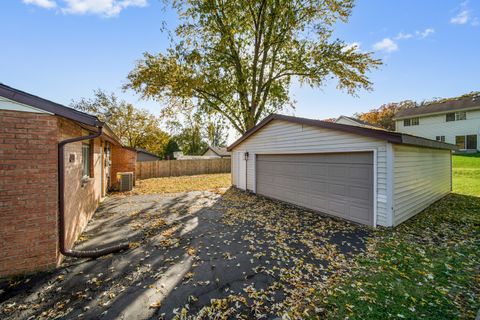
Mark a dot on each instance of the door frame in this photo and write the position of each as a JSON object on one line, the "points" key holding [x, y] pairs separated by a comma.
{"points": [[373, 150]]}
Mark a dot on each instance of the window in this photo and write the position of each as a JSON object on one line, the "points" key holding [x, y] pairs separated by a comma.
{"points": [[468, 142], [87, 155], [440, 138], [472, 142], [411, 122], [460, 142], [456, 116]]}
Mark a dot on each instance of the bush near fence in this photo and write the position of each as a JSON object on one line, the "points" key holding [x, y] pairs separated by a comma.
{"points": [[175, 168]]}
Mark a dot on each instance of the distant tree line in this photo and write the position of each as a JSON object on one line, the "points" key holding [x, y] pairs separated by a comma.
{"points": [[139, 128]]}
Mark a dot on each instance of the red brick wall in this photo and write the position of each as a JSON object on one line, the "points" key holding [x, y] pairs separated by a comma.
{"points": [[81, 198], [123, 160], [28, 192]]}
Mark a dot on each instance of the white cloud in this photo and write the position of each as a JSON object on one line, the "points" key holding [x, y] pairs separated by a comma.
{"points": [[403, 36], [461, 18], [464, 15], [353, 45], [47, 4], [387, 45], [425, 33], [107, 8]]}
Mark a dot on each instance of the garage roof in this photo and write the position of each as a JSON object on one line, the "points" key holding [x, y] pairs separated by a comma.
{"points": [[393, 137]]}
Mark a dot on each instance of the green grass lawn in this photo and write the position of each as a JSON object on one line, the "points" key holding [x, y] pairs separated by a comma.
{"points": [[466, 174], [426, 268]]}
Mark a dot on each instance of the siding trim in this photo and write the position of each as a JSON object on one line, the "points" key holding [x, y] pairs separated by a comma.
{"points": [[390, 183], [254, 159], [375, 191]]}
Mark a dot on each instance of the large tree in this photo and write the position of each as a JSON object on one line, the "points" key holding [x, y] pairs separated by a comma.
{"points": [[238, 58], [216, 131], [384, 115], [136, 128]]}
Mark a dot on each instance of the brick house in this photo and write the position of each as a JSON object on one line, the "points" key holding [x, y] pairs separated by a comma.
{"points": [[31, 129]]}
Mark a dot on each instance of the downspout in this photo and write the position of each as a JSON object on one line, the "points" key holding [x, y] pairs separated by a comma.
{"points": [[95, 253]]}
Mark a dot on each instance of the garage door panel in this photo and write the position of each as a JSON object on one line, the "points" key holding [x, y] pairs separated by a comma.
{"points": [[360, 172], [360, 193], [337, 190], [338, 184], [358, 213], [338, 207]]}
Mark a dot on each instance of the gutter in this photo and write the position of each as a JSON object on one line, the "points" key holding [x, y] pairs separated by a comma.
{"points": [[95, 253]]}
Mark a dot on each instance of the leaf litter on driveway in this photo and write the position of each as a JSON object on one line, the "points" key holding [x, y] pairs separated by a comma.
{"points": [[235, 256]]}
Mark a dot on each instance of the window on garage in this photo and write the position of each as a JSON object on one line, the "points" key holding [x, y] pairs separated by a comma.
{"points": [[440, 138]]}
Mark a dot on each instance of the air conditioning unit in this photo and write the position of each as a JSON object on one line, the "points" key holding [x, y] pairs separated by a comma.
{"points": [[125, 181]]}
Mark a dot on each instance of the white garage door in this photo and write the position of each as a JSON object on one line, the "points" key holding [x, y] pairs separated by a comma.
{"points": [[339, 184]]}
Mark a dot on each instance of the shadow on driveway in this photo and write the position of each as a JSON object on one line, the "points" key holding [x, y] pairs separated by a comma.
{"points": [[194, 255]]}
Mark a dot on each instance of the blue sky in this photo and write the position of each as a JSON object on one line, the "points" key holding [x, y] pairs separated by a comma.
{"points": [[63, 49]]}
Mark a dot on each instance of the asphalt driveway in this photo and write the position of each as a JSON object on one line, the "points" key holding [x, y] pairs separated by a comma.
{"points": [[193, 255]]}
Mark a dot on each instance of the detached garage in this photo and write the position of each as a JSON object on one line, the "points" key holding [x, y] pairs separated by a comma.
{"points": [[369, 176]]}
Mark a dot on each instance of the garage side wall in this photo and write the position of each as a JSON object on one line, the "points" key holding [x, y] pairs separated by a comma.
{"points": [[421, 177], [281, 137]]}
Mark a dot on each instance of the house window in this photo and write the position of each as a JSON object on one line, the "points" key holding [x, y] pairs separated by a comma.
{"points": [[440, 138], [460, 115], [456, 116], [411, 122], [472, 142], [460, 142], [87, 159], [468, 142]]}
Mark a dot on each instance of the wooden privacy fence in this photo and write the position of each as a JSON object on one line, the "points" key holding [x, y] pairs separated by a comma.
{"points": [[175, 168]]}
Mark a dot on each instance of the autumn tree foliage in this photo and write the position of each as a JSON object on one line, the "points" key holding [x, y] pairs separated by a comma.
{"points": [[384, 115], [136, 128], [237, 59]]}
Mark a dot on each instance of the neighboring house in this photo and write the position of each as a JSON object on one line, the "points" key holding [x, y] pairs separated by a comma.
{"points": [[31, 129], [144, 155], [217, 152], [374, 177], [355, 122], [455, 121]]}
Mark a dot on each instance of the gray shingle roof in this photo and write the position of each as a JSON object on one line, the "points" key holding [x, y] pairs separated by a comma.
{"points": [[451, 105]]}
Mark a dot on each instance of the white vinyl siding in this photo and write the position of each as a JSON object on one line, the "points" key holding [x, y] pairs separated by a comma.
{"points": [[283, 137], [7, 104], [421, 177], [434, 126]]}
